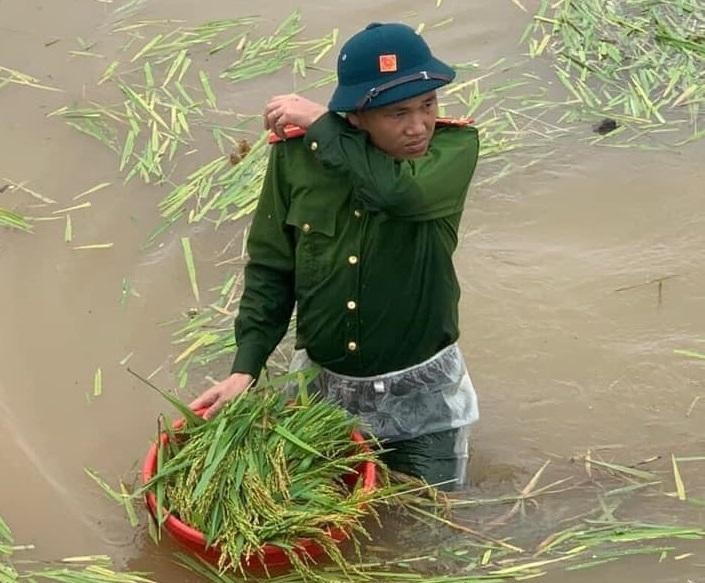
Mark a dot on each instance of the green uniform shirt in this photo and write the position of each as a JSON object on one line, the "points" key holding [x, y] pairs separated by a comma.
{"points": [[362, 244]]}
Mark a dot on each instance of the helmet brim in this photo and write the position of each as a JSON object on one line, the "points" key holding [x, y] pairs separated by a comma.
{"points": [[348, 98]]}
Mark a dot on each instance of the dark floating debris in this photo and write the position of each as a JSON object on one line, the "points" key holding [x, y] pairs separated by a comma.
{"points": [[243, 148], [606, 126]]}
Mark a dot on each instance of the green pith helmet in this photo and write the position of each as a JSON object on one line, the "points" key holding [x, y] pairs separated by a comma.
{"points": [[384, 64]]}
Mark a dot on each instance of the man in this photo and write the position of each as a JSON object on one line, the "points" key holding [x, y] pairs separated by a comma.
{"points": [[356, 225]]}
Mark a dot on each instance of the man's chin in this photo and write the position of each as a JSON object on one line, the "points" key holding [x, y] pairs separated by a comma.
{"points": [[414, 155]]}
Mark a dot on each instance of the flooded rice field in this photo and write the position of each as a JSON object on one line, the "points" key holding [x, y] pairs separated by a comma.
{"points": [[581, 265]]}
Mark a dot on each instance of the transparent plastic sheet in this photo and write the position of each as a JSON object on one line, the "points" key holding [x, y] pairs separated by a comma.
{"points": [[433, 396], [462, 456]]}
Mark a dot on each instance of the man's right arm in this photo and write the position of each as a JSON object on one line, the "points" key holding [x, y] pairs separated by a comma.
{"points": [[267, 301]]}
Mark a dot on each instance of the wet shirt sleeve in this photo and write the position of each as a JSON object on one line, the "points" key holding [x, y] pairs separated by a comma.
{"points": [[267, 301], [427, 188]]}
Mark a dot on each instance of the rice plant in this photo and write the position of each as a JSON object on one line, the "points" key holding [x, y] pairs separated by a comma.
{"points": [[266, 471]]}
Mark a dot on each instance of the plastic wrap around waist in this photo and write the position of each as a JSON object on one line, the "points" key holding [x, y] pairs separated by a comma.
{"points": [[435, 395]]}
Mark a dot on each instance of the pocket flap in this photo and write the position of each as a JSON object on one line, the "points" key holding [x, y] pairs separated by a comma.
{"points": [[311, 220]]}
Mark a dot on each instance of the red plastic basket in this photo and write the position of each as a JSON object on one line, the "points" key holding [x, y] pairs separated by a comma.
{"points": [[272, 557]]}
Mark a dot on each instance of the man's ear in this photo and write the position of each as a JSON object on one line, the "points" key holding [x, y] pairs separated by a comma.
{"points": [[354, 119]]}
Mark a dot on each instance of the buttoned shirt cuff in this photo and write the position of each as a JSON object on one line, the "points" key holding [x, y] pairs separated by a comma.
{"points": [[323, 131], [250, 359]]}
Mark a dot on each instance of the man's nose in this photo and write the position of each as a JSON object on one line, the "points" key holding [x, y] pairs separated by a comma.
{"points": [[417, 125]]}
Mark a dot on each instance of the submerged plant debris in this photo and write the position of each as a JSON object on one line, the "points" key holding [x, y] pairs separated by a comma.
{"points": [[13, 220], [11, 76], [147, 129], [270, 54], [588, 541], [574, 550], [79, 569], [220, 188], [167, 95], [638, 61]]}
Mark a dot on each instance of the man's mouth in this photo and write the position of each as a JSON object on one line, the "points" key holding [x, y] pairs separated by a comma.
{"points": [[417, 147]]}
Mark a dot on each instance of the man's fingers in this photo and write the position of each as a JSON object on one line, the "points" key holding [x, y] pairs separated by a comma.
{"points": [[214, 408], [205, 400], [273, 118], [277, 120], [271, 107], [278, 99], [279, 130]]}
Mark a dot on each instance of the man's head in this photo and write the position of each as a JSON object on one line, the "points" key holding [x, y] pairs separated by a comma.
{"points": [[387, 79], [403, 129]]}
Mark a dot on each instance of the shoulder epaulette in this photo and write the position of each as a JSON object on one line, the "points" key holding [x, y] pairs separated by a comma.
{"points": [[462, 122], [291, 132]]}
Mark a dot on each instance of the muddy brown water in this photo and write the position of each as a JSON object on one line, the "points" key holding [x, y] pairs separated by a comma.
{"points": [[562, 360]]}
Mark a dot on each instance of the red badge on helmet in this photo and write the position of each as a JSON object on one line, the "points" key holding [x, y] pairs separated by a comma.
{"points": [[387, 63]]}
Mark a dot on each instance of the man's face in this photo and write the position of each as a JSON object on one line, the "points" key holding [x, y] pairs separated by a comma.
{"points": [[402, 130]]}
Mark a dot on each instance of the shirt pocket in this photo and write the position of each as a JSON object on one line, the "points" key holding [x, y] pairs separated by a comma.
{"points": [[315, 229]]}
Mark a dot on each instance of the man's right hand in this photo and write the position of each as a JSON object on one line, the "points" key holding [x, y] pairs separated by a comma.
{"points": [[218, 395], [292, 109]]}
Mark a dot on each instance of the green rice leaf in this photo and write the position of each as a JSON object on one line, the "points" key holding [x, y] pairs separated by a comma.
{"points": [[286, 434], [190, 266], [188, 414], [205, 83], [112, 494], [98, 383], [129, 506], [690, 353], [91, 190], [625, 470], [680, 487], [13, 220]]}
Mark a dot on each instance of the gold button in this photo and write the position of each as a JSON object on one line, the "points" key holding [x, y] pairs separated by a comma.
{"points": [[352, 346], [357, 213], [352, 260], [314, 146], [306, 227], [352, 305]]}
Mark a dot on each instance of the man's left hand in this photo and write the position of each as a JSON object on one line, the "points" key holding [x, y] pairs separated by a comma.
{"points": [[292, 109]]}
